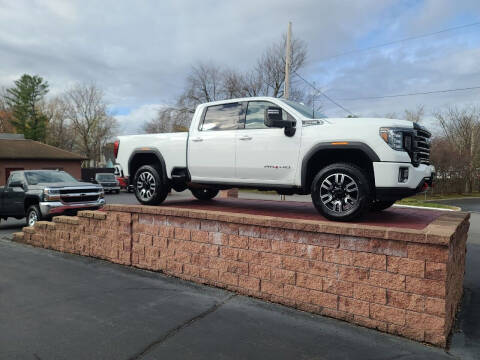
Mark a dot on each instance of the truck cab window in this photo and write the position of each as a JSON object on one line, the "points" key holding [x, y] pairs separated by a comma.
{"points": [[221, 117], [254, 118], [15, 178]]}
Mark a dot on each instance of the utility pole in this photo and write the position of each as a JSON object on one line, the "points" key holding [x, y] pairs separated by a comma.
{"points": [[288, 60], [288, 54]]}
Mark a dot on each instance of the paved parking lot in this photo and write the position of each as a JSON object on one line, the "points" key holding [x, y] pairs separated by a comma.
{"points": [[61, 306]]}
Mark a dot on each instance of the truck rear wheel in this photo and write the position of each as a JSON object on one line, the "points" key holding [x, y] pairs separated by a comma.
{"points": [[33, 215], [341, 192], [148, 185], [204, 194]]}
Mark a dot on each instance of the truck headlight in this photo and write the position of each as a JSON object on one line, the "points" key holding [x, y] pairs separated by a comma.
{"points": [[51, 195], [394, 137]]}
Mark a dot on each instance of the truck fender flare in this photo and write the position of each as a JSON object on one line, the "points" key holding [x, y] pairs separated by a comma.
{"points": [[30, 200], [367, 150], [154, 152]]}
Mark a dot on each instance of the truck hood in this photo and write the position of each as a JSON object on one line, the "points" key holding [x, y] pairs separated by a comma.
{"points": [[373, 122], [63, 185]]}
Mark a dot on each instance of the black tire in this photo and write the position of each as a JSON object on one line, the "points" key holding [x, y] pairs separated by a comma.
{"points": [[149, 187], [381, 205], [33, 215], [345, 192], [117, 191], [204, 194]]}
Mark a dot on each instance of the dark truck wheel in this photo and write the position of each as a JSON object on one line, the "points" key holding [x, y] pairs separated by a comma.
{"points": [[148, 185], [381, 205], [33, 215], [341, 192], [204, 194]]}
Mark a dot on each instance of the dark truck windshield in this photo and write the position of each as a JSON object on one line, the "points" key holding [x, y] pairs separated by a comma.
{"points": [[105, 177], [48, 176]]}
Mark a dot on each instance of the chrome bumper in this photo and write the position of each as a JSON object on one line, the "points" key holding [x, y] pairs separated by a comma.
{"points": [[58, 207], [109, 188]]}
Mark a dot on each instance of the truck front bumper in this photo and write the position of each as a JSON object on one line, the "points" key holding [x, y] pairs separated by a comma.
{"points": [[111, 188], [49, 208], [391, 185]]}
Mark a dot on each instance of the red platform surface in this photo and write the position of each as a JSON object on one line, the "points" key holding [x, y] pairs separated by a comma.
{"points": [[409, 218]]}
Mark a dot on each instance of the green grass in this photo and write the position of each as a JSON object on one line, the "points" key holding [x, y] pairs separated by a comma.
{"points": [[444, 196]]}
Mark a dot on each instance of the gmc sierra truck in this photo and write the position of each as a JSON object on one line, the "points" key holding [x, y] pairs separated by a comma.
{"points": [[348, 165], [41, 194]]}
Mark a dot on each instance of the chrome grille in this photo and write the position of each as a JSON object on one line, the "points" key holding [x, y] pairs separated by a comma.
{"points": [[79, 194], [421, 145]]}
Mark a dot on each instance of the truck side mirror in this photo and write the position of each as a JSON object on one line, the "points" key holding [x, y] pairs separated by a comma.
{"points": [[273, 117], [14, 184]]}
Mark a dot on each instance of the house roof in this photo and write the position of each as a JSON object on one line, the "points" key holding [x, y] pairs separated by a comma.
{"points": [[19, 149]]}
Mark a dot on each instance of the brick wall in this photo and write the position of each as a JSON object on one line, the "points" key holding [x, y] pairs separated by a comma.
{"points": [[405, 282]]}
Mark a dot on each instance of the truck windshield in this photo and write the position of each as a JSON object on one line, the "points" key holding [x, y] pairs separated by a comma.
{"points": [[105, 177], [45, 177], [304, 110]]}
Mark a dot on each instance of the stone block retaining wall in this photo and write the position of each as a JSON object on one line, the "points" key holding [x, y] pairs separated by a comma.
{"points": [[401, 281]]}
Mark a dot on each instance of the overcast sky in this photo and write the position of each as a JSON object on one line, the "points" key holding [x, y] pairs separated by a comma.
{"points": [[140, 52]]}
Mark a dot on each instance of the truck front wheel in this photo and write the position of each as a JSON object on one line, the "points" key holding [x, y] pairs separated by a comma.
{"points": [[33, 215], [204, 194], [148, 185], [341, 192]]}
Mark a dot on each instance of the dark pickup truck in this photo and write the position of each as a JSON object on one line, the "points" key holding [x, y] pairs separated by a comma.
{"points": [[41, 194]]}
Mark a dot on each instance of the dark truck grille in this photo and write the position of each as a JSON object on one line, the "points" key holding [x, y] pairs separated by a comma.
{"points": [[79, 190], [75, 195], [109, 184], [421, 145]]}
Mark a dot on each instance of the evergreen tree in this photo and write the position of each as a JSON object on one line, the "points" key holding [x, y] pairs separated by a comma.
{"points": [[24, 100]]}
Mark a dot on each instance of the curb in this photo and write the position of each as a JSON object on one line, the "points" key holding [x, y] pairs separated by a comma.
{"points": [[428, 208]]}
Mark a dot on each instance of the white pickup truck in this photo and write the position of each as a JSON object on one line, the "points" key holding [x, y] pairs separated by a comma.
{"points": [[348, 165]]}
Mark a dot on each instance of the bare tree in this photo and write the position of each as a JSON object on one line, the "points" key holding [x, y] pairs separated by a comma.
{"points": [[252, 84], [415, 115], [169, 119], [271, 65], [461, 127], [60, 130], [6, 115], [204, 84], [449, 166], [87, 110]]}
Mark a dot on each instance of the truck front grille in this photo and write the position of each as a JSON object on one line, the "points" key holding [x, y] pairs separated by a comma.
{"points": [[79, 194], [421, 145], [77, 199], [78, 190]]}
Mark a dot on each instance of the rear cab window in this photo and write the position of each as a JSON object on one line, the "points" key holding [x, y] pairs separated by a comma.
{"points": [[222, 117]]}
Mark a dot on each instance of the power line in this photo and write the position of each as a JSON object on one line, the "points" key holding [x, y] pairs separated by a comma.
{"points": [[321, 93], [411, 94], [399, 41]]}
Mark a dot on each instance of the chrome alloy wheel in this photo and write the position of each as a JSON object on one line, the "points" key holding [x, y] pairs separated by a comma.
{"points": [[32, 218], [146, 185], [339, 192]]}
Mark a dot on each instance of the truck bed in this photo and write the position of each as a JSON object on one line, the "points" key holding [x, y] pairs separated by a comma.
{"points": [[172, 146]]}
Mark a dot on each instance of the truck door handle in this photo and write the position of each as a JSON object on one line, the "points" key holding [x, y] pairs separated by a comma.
{"points": [[245, 137], [197, 139]]}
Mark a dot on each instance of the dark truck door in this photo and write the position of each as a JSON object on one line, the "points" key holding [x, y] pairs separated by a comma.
{"points": [[14, 196]]}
